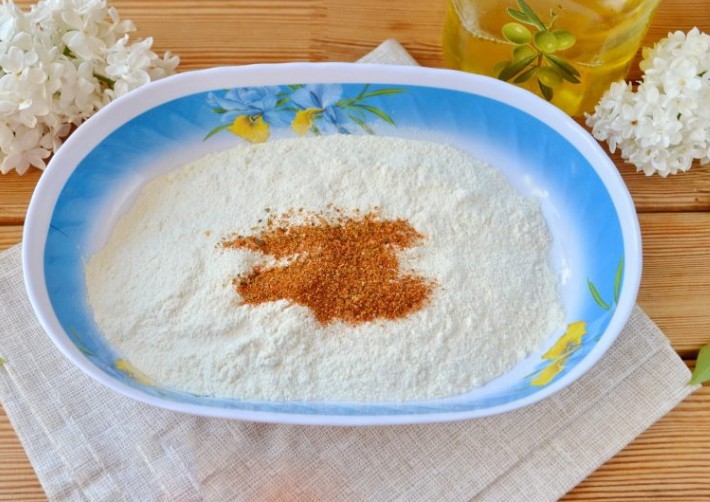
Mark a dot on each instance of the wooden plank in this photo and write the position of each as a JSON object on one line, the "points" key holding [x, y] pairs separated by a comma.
{"points": [[18, 481], [670, 461], [15, 194], [354, 28], [9, 236], [688, 191], [675, 288]]}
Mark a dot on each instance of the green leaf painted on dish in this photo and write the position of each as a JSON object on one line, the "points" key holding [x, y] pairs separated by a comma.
{"points": [[362, 124], [617, 280], [215, 131], [597, 297], [362, 91], [381, 92], [375, 111], [701, 373], [80, 343]]}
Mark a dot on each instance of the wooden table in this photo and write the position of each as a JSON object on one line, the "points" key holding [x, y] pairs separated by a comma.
{"points": [[669, 461]]}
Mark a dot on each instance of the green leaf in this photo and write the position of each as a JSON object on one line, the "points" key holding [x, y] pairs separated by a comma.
{"points": [[293, 87], [546, 91], [499, 67], [534, 20], [562, 65], [513, 69], [381, 92], [219, 110], [597, 297], [525, 76], [80, 343], [375, 111], [617, 279], [701, 373], [360, 113], [282, 101], [362, 124], [215, 131], [520, 16], [363, 91]]}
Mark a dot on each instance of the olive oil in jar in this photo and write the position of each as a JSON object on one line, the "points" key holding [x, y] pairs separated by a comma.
{"points": [[568, 52]]}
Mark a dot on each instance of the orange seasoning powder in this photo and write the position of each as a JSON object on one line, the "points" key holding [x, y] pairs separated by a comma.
{"points": [[342, 269]]}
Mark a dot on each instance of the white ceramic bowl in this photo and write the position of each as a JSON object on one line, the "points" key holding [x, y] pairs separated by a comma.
{"points": [[163, 125]]}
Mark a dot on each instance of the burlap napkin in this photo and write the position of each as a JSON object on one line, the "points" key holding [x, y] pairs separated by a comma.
{"points": [[87, 443]]}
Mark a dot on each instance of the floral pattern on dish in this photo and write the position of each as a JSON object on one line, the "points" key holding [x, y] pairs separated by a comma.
{"points": [[250, 112]]}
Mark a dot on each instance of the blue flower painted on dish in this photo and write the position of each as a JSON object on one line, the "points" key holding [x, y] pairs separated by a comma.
{"points": [[247, 111], [318, 101]]}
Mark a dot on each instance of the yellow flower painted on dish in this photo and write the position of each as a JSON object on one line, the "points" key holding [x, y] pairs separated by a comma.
{"points": [[560, 353], [251, 128], [549, 372], [125, 367], [303, 121], [569, 342]]}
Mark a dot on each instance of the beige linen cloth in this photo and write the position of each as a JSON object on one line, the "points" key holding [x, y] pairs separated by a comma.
{"points": [[87, 443]]}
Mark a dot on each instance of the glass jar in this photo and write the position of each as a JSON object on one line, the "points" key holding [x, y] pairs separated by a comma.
{"points": [[566, 51]]}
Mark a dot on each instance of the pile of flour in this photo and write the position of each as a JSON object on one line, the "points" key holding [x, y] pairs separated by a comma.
{"points": [[161, 288]]}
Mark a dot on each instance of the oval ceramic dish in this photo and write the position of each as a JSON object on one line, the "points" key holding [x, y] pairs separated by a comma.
{"points": [[543, 153]]}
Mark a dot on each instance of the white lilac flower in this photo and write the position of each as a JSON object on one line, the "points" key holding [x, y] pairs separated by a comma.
{"points": [[59, 63], [664, 125]]}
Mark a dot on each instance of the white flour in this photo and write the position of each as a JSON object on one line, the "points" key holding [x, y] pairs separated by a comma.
{"points": [[161, 292]]}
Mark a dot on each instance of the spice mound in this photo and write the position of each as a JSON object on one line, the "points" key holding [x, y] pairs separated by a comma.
{"points": [[342, 269]]}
